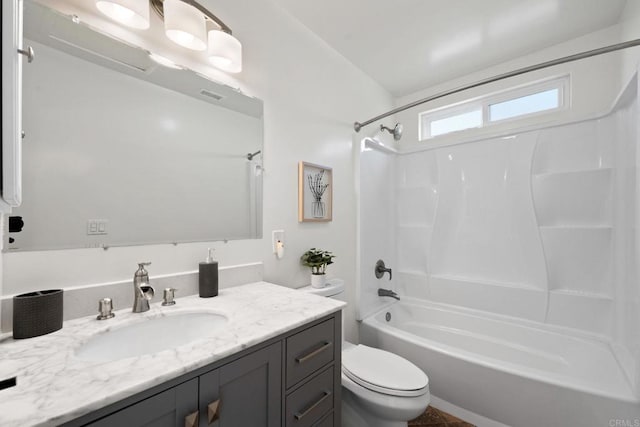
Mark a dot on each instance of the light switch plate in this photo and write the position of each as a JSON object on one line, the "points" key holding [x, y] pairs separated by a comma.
{"points": [[277, 235], [97, 227]]}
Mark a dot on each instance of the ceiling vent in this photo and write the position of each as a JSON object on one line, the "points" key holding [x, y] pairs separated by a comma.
{"points": [[210, 94]]}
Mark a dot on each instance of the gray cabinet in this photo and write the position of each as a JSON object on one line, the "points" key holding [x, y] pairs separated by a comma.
{"points": [[292, 380], [311, 401], [309, 350], [245, 392], [313, 375], [167, 409]]}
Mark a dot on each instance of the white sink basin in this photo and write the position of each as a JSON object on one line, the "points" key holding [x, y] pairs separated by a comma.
{"points": [[150, 335]]}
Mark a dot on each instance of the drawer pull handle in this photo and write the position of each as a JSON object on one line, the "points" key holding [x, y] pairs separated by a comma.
{"points": [[212, 411], [314, 353], [301, 415], [192, 419]]}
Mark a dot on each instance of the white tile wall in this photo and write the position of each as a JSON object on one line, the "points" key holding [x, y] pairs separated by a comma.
{"points": [[573, 147], [416, 205], [573, 198], [522, 226], [579, 311], [413, 248], [579, 259]]}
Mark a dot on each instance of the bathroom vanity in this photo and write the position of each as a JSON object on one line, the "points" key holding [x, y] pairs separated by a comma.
{"points": [[276, 362]]}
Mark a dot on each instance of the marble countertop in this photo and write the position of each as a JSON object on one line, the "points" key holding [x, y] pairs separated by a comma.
{"points": [[53, 386]]}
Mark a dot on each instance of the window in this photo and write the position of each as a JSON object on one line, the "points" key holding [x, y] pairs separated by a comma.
{"points": [[524, 105], [538, 98], [452, 123]]}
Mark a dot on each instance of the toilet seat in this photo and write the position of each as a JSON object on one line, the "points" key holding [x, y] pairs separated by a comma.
{"points": [[383, 372]]}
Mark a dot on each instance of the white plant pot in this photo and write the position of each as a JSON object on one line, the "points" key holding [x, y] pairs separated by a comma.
{"points": [[318, 280]]}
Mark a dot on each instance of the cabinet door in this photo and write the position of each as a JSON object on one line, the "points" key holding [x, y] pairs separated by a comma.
{"points": [[167, 409], [245, 392]]}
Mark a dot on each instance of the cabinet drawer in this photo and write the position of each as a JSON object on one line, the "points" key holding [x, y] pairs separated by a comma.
{"points": [[309, 403], [327, 421], [309, 350]]}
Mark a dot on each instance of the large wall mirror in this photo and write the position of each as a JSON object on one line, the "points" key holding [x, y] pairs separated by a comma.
{"points": [[122, 151]]}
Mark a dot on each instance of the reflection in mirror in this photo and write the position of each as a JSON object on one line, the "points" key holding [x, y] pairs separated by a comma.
{"points": [[123, 151]]}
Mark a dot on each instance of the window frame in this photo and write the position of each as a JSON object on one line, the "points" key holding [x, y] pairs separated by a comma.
{"points": [[561, 83]]}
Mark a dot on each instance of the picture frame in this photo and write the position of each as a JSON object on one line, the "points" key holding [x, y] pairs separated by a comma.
{"points": [[315, 193]]}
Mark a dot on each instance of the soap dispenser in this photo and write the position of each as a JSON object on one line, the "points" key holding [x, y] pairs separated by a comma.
{"points": [[208, 276]]}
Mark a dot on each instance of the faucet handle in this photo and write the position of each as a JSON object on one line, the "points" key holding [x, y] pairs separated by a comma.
{"points": [[141, 275], [105, 305], [381, 269], [168, 296], [141, 266]]}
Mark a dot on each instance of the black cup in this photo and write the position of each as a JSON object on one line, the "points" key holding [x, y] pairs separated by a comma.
{"points": [[37, 313]]}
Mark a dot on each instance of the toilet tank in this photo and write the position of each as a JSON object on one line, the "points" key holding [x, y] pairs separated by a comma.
{"points": [[333, 289]]}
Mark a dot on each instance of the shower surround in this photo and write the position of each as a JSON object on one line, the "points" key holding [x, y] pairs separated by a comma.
{"points": [[532, 234]]}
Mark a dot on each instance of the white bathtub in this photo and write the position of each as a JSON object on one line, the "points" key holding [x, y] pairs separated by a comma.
{"points": [[514, 372]]}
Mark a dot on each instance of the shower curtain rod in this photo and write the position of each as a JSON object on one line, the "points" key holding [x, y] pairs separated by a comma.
{"points": [[582, 55]]}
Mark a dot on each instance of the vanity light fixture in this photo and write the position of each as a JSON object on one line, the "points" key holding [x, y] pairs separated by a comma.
{"points": [[185, 25], [186, 22], [164, 61], [132, 13], [225, 51]]}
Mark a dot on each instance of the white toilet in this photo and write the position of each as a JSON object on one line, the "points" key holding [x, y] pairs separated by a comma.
{"points": [[379, 388]]}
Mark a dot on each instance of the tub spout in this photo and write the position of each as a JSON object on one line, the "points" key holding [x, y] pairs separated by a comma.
{"points": [[388, 293]]}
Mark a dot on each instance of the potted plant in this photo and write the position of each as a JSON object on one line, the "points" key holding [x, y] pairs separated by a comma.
{"points": [[318, 260]]}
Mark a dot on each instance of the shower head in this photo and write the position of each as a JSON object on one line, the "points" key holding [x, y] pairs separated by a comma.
{"points": [[396, 131]]}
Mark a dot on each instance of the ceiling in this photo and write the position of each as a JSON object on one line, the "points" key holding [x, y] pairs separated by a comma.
{"points": [[408, 45]]}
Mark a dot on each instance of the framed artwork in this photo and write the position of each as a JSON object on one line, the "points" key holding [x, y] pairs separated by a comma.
{"points": [[315, 193]]}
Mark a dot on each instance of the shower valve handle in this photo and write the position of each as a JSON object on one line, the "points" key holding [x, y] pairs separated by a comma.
{"points": [[381, 269]]}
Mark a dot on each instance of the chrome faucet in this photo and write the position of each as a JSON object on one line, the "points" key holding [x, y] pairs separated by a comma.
{"points": [[142, 290], [388, 293]]}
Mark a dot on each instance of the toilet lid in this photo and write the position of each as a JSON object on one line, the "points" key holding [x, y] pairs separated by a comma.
{"points": [[383, 372]]}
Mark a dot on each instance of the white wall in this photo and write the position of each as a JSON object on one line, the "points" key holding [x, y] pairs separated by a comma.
{"points": [[627, 120], [630, 23], [312, 96], [634, 286], [624, 125]]}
